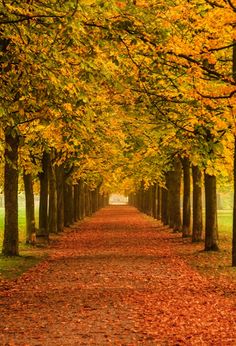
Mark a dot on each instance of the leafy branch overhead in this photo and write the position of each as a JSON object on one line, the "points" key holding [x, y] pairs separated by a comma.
{"points": [[117, 92]]}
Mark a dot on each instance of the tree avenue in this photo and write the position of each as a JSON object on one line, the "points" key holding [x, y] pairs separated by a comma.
{"points": [[103, 96]]}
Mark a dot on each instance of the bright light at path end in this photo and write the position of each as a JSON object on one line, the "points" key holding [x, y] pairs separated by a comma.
{"points": [[118, 199]]}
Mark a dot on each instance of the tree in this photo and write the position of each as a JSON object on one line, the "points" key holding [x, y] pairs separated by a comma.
{"points": [[29, 207], [174, 185], [11, 241], [197, 223], [211, 236], [187, 198], [18, 93]]}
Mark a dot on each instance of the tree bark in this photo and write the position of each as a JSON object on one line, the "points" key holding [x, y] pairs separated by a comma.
{"points": [[149, 201], [100, 200], [76, 198], [60, 197], [142, 197], [96, 199], [11, 235], [197, 204], [186, 198], [79, 200], [174, 196], [52, 219], [211, 236], [68, 204], [234, 205], [154, 200], [29, 208], [87, 201], [43, 199], [234, 210], [82, 199], [159, 198], [164, 206]]}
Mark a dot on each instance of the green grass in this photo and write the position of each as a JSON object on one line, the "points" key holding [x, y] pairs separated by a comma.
{"points": [[225, 222], [21, 220], [12, 267], [21, 223]]}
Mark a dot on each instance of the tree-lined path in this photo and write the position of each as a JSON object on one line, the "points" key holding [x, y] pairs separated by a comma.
{"points": [[116, 279]]}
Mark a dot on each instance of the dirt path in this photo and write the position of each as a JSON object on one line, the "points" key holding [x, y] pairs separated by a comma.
{"points": [[115, 279]]}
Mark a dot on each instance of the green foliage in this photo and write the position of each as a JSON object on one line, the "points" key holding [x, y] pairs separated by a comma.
{"points": [[122, 87]]}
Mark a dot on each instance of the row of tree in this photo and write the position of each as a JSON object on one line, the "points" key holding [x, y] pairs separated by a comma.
{"points": [[56, 128], [62, 202], [118, 93], [165, 203]]}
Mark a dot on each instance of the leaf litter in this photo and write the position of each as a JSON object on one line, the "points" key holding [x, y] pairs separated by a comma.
{"points": [[118, 278]]}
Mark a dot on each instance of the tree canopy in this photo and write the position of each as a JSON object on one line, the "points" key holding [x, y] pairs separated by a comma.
{"points": [[117, 92], [120, 84]]}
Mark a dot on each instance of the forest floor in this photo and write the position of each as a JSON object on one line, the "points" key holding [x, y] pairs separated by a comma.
{"points": [[119, 278]]}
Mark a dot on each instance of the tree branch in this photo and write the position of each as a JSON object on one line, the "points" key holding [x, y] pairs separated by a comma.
{"points": [[26, 18], [26, 121], [213, 4], [231, 5], [217, 97], [221, 48]]}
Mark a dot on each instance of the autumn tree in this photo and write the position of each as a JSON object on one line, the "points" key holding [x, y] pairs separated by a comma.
{"points": [[23, 98]]}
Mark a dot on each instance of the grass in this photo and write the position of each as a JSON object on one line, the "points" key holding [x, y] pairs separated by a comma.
{"points": [[12, 267], [225, 222], [21, 224]]}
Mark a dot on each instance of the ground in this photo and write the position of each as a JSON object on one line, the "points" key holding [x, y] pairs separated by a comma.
{"points": [[118, 278]]}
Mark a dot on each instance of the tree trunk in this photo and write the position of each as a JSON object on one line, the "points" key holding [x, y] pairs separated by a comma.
{"points": [[133, 199], [164, 206], [43, 199], [145, 207], [29, 208], [76, 202], [149, 200], [60, 197], [159, 198], [186, 198], [211, 236], [11, 235], [96, 199], [197, 204], [52, 199], [174, 196], [234, 205], [154, 201], [79, 200], [87, 200], [234, 210], [68, 204], [106, 200], [82, 199], [89, 203], [100, 201], [142, 197]]}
